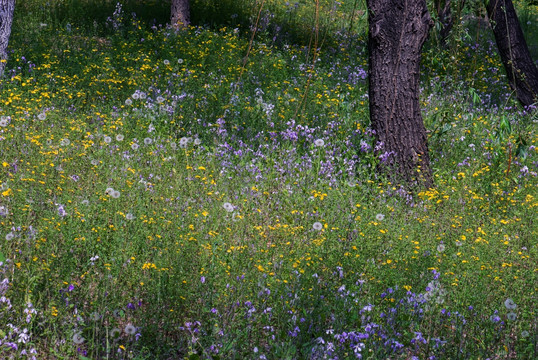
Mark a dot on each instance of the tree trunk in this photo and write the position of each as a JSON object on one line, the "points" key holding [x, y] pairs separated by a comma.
{"points": [[520, 69], [6, 19], [444, 15], [397, 31], [180, 13]]}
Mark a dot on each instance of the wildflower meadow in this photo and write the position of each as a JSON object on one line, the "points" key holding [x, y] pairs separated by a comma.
{"points": [[211, 192]]}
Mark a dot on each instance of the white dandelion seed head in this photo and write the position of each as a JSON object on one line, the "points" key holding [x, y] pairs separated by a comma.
{"points": [[77, 338], [183, 142], [65, 142], [115, 333], [109, 191], [10, 236], [148, 141], [197, 141], [317, 226], [4, 211], [180, 61], [4, 121], [120, 137], [228, 207], [173, 146], [135, 146], [459, 243], [85, 202], [136, 95], [160, 99], [441, 248], [166, 62], [525, 334], [107, 139], [95, 162], [510, 304], [380, 217], [115, 194], [143, 95], [128, 102], [42, 116], [512, 316], [130, 329], [129, 216], [319, 142]]}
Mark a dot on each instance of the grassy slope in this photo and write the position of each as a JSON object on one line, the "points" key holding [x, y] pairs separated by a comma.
{"points": [[262, 279]]}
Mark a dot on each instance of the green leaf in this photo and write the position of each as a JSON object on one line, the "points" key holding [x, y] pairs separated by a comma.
{"points": [[194, 357], [2, 257]]}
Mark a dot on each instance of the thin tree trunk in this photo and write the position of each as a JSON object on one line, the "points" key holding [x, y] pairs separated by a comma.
{"points": [[180, 13], [520, 69], [444, 14], [397, 32], [6, 19]]}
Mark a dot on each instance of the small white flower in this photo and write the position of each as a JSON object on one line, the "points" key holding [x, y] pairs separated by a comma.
{"points": [[135, 146], [440, 248], [129, 216], [119, 137], [128, 102], [77, 338], [136, 96], [228, 207], [148, 141], [197, 141], [3, 210], [115, 333], [380, 217], [319, 142], [183, 142], [317, 226], [130, 329], [9, 236], [510, 304], [160, 99]]}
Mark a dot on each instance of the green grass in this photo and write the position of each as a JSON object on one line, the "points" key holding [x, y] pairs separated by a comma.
{"points": [[228, 233]]}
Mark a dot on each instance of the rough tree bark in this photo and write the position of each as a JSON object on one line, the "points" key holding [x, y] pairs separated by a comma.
{"points": [[397, 31], [520, 69], [180, 13], [6, 19]]}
